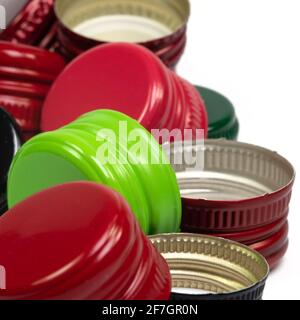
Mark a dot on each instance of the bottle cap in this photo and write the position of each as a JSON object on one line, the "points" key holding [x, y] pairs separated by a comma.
{"points": [[32, 24], [222, 120], [26, 76], [80, 151], [226, 269], [159, 25], [85, 244], [129, 79], [239, 187]]}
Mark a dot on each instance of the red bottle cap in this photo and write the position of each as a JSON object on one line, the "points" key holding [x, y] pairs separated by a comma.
{"points": [[127, 78], [31, 24], [160, 27], [25, 89], [26, 76], [30, 58], [26, 111], [276, 258], [275, 247], [271, 241], [272, 244], [254, 235], [240, 187], [173, 48], [91, 247]]}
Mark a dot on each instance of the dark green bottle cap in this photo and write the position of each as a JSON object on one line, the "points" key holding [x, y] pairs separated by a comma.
{"points": [[223, 122]]}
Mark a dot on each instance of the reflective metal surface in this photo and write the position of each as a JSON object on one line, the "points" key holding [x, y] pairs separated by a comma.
{"points": [[226, 269], [71, 153], [145, 90], [159, 25], [232, 171], [27, 74], [79, 241], [240, 186], [156, 17]]}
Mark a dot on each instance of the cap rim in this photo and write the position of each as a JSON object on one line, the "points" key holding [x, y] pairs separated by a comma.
{"points": [[133, 8], [235, 161], [191, 258]]}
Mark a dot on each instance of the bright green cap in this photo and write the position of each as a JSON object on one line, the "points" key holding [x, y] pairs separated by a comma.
{"points": [[77, 152]]}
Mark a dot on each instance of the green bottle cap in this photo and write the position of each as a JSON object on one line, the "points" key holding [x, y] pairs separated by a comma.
{"points": [[222, 119], [85, 150]]}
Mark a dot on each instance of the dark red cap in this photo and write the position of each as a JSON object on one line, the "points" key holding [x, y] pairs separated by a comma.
{"points": [[32, 23], [79, 241], [167, 46], [26, 76], [271, 241], [275, 259], [30, 58], [272, 244], [254, 235]]}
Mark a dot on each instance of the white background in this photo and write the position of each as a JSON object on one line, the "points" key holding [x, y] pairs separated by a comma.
{"points": [[249, 50]]}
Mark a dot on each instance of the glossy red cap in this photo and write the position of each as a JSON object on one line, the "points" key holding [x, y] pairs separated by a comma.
{"points": [[255, 235], [271, 241], [272, 244], [78, 241], [127, 78], [32, 24], [168, 47], [26, 76], [30, 58], [275, 259]]}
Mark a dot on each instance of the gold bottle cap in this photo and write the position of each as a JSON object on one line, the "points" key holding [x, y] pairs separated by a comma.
{"points": [[225, 269]]}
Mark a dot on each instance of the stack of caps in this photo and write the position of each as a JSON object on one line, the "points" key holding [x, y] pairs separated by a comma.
{"points": [[26, 75], [10, 142], [34, 24], [133, 269], [91, 248], [241, 192], [159, 25]]}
